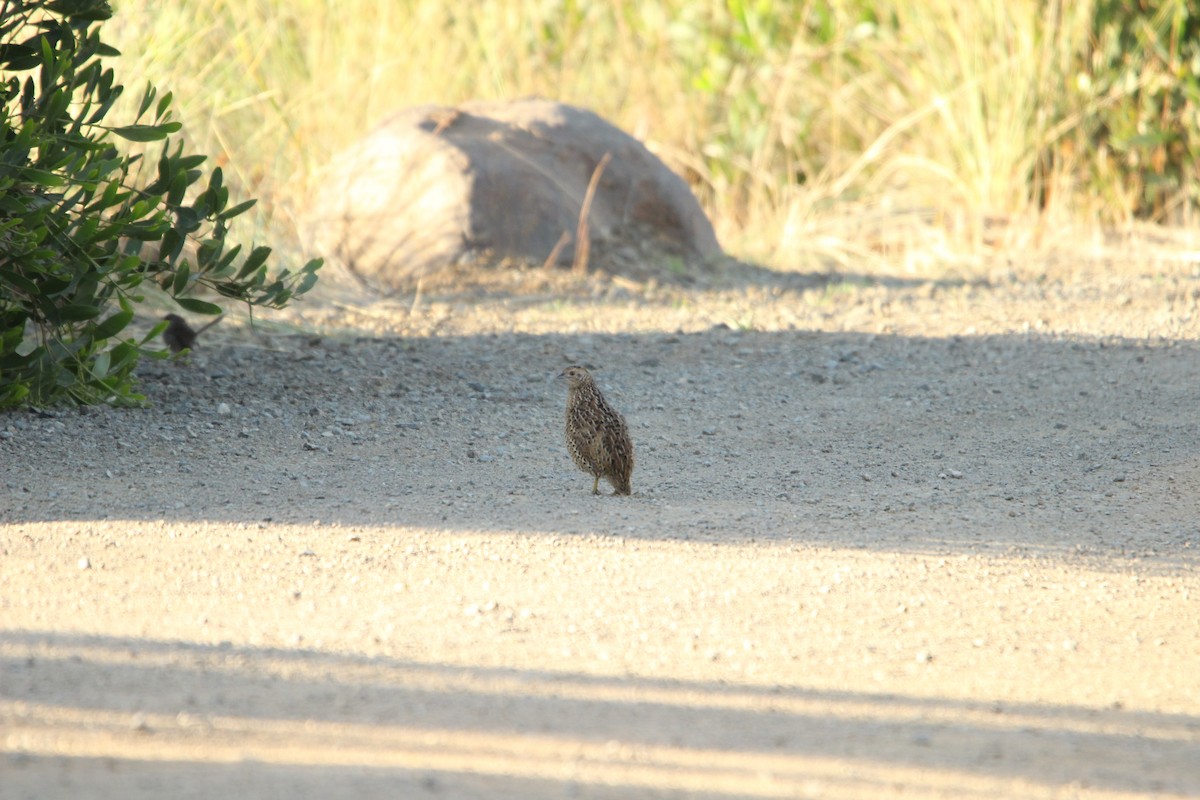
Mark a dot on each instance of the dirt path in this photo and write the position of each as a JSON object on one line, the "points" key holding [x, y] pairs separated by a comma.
{"points": [[889, 537]]}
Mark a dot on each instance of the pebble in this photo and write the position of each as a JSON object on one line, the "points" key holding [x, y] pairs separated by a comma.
{"points": [[223, 409], [84, 563]]}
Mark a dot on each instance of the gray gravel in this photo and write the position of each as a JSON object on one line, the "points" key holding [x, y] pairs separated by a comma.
{"points": [[868, 553]]}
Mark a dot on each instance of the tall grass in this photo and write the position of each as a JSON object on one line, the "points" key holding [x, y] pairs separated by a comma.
{"points": [[811, 131]]}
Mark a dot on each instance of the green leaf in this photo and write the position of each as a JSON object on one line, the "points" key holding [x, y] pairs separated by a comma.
{"points": [[163, 105], [18, 57], [198, 306], [191, 162], [54, 285], [258, 256], [81, 10], [171, 246], [124, 355], [179, 184], [187, 219], [236, 210], [113, 325], [147, 133], [181, 279], [41, 177], [306, 283], [12, 394], [100, 366], [87, 231], [77, 312], [147, 100], [155, 332], [229, 257], [18, 282]]}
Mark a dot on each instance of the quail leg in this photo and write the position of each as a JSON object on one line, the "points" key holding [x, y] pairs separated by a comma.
{"points": [[596, 485]]}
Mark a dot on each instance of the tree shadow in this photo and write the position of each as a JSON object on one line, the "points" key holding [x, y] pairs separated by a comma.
{"points": [[151, 716], [1017, 444]]}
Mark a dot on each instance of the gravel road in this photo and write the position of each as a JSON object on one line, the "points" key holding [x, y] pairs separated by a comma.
{"points": [[890, 537]]}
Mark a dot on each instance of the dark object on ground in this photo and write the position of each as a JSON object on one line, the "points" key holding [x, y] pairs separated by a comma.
{"points": [[181, 336]]}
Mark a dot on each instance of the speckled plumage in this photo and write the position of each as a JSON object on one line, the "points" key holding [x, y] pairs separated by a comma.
{"points": [[597, 436]]}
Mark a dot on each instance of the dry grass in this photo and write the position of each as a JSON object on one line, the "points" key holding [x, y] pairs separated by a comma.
{"points": [[813, 135]]}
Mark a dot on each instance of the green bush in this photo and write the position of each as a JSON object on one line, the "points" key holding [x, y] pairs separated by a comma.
{"points": [[1144, 67], [83, 225]]}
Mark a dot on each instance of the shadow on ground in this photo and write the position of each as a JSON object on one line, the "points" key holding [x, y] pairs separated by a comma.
{"points": [[314, 722], [1020, 443]]}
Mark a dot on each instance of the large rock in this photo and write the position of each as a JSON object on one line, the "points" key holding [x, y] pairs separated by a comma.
{"points": [[432, 186]]}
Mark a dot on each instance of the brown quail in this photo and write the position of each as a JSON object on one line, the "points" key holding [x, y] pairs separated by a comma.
{"points": [[597, 436], [179, 335]]}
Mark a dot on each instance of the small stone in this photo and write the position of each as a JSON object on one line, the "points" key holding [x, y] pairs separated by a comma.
{"points": [[223, 409], [84, 563], [924, 657]]}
